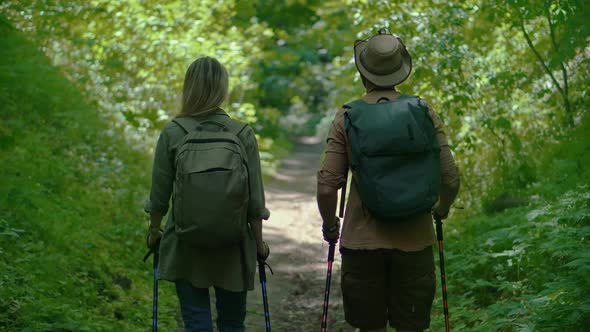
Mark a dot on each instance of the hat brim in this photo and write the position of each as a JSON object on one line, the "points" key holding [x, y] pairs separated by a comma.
{"points": [[383, 81]]}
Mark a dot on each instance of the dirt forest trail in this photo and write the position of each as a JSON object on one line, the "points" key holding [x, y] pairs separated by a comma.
{"points": [[298, 252]]}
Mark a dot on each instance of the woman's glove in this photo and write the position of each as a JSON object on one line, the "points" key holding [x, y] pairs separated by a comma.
{"points": [[153, 237], [262, 252]]}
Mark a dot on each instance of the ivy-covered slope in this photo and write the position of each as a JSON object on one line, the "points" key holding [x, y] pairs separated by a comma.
{"points": [[526, 268], [71, 192]]}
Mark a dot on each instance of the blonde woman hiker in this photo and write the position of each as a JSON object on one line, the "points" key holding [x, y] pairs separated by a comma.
{"points": [[403, 172], [209, 164]]}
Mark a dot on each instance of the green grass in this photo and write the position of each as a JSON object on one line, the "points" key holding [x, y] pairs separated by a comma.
{"points": [[71, 226]]}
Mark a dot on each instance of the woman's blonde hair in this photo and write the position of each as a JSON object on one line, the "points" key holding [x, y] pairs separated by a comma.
{"points": [[205, 87]]}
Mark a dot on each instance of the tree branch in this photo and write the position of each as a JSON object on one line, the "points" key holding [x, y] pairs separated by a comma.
{"points": [[532, 47], [551, 28], [565, 93], [556, 48]]}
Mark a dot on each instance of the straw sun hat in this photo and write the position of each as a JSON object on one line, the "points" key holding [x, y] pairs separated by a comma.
{"points": [[383, 59]]}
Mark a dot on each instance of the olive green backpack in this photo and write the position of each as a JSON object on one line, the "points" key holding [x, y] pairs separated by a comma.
{"points": [[395, 156], [211, 189]]}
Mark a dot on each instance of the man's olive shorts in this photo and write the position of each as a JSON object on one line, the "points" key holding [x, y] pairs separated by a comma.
{"points": [[388, 285]]}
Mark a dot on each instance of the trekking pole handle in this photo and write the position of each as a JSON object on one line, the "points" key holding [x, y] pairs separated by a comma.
{"points": [[342, 199], [439, 231], [331, 251], [151, 251], [261, 271]]}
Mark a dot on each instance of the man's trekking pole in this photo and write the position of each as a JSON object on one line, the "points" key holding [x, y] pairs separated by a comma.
{"points": [[262, 275], [328, 282], [443, 279], [331, 250]]}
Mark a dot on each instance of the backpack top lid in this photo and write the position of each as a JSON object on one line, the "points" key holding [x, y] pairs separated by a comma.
{"points": [[219, 119], [399, 126]]}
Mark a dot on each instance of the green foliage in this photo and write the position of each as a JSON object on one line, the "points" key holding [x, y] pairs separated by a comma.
{"points": [[295, 59], [82, 100], [130, 57], [522, 270], [70, 227], [506, 76], [526, 269]]}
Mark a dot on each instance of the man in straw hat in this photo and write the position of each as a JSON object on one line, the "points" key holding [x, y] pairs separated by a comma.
{"points": [[387, 262]]}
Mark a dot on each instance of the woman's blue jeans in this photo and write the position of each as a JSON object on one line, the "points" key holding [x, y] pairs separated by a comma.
{"points": [[196, 309]]}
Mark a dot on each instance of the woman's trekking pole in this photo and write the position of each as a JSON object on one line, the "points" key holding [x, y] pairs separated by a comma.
{"points": [[155, 303], [262, 275], [156, 253], [443, 279]]}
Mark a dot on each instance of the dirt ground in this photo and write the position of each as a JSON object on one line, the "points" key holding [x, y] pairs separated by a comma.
{"points": [[298, 252]]}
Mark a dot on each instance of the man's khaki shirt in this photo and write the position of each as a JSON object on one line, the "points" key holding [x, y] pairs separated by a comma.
{"points": [[360, 229]]}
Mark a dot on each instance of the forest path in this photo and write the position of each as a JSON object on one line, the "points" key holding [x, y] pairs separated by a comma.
{"points": [[298, 252]]}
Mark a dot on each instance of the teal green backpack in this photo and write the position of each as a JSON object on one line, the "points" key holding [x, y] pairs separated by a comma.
{"points": [[211, 189], [395, 156]]}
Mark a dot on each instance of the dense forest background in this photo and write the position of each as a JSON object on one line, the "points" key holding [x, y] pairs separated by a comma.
{"points": [[85, 87]]}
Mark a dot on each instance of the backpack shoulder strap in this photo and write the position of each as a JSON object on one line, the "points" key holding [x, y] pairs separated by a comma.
{"points": [[405, 96], [235, 126], [415, 101], [186, 124]]}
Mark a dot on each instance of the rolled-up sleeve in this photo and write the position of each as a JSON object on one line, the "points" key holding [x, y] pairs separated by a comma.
{"points": [[449, 172], [335, 159], [256, 206], [162, 176]]}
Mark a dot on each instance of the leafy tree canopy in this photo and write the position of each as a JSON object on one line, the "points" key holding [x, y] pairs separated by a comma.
{"points": [[506, 76]]}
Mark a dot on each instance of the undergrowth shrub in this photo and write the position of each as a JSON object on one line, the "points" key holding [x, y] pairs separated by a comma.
{"points": [[526, 268]]}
